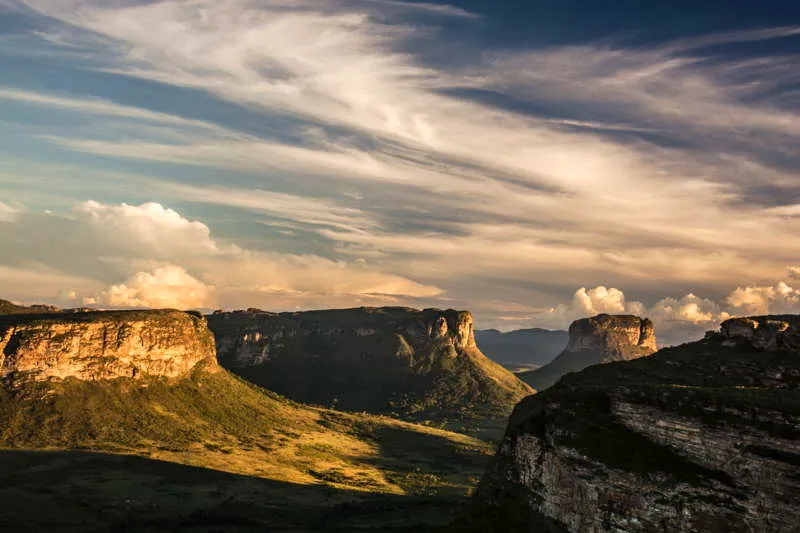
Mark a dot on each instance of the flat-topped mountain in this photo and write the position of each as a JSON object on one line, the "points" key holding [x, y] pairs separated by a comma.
{"points": [[699, 437], [386, 360], [103, 345], [596, 340], [147, 384], [522, 348]]}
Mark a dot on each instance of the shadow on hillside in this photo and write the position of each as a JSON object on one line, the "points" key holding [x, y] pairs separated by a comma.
{"points": [[76, 491]]}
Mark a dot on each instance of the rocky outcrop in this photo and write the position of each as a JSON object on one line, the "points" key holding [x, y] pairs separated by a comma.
{"points": [[699, 437], [102, 345], [388, 360], [592, 341], [770, 333]]}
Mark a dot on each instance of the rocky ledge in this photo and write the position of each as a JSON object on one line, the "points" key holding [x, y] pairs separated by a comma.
{"points": [[771, 333], [102, 345], [596, 340], [699, 437], [389, 360]]}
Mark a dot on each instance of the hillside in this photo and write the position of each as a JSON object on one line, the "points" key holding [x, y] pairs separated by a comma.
{"points": [[700, 437], [7, 308], [593, 341], [182, 450], [398, 361], [522, 349]]}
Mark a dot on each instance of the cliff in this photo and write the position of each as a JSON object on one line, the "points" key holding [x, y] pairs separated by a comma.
{"points": [[770, 333], [597, 340], [699, 437], [388, 360], [102, 345]]}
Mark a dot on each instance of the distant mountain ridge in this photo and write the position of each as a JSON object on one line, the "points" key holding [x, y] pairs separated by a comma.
{"points": [[518, 349], [7, 308], [392, 360], [596, 340]]}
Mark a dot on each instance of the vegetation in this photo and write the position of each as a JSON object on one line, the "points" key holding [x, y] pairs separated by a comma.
{"points": [[212, 453], [380, 360]]}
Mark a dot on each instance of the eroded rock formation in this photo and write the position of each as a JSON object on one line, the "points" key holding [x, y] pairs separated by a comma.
{"points": [[771, 333], [397, 360], [103, 345], [700, 437], [592, 341]]}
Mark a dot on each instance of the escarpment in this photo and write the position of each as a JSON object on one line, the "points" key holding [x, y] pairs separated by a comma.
{"points": [[102, 345], [387, 360], [699, 437], [592, 341]]}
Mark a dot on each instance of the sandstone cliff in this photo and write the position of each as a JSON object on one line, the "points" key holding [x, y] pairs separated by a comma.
{"points": [[387, 360], [700, 437], [102, 345], [592, 341]]}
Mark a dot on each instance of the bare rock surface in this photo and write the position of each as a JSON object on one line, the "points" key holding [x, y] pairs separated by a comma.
{"points": [[102, 345], [597, 340], [699, 437], [392, 360]]}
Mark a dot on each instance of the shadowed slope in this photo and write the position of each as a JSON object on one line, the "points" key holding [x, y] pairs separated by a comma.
{"points": [[399, 361]]}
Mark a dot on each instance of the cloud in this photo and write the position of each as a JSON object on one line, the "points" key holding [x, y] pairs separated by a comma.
{"points": [[7, 213], [763, 300], [644, 167], [676, 319], [169, 286], [151, 255]]}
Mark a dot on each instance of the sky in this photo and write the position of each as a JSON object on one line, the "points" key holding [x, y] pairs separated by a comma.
{"points": [[533, 161]]}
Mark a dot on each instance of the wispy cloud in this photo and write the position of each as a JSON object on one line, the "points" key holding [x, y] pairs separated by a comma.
{"points": [[660, 168]]}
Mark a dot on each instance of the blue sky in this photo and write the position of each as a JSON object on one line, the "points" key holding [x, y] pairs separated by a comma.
{"points": [[532, 161]]}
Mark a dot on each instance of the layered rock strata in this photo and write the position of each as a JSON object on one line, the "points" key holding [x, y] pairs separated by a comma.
{"points": [[700, 437], [103, 345]]}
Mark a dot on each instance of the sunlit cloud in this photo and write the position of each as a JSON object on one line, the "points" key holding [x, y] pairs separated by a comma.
{"points": [[664, 169]]}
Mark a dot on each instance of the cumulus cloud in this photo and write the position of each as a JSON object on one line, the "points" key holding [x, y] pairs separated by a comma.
{"points": [[654, 178], [149, 255], [7, 212], [676, 319], [169, 286], [762, 300]]}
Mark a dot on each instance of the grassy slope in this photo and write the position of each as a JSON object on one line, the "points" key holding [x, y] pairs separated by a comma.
{"points": [[285, 463]]}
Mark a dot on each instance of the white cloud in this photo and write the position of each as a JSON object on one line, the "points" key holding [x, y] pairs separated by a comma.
{"points": [[676, 319], [152, 256], [7, 213], [169, 286], [452, 192], [763, 300]]}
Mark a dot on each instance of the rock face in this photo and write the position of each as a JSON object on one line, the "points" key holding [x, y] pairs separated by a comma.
{"points": [[522, 348], [386, 360], [102, 345], [700, 437], [770, 333], [592, 341]]}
